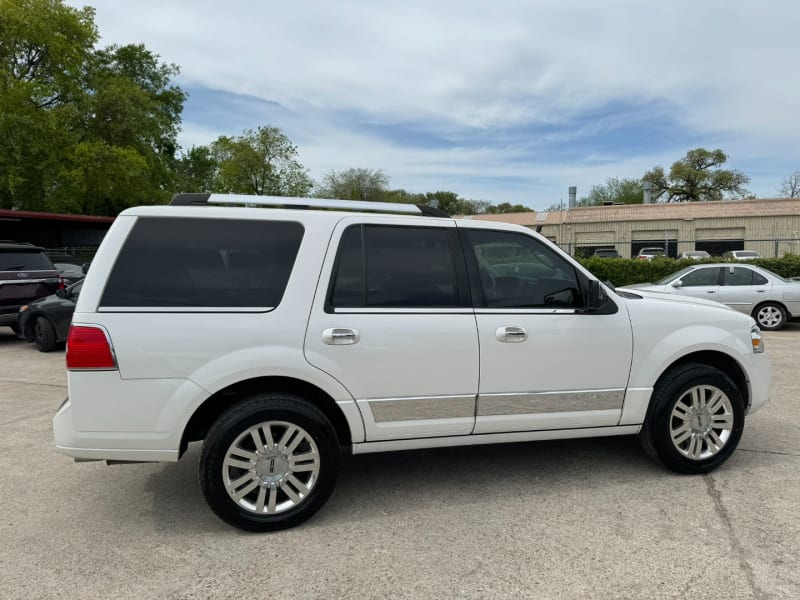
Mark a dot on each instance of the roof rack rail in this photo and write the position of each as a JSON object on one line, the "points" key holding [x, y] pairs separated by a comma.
{"points": [[307, 203]]}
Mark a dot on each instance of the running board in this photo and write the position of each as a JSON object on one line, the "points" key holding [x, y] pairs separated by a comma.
{"points": [[493, 438]]}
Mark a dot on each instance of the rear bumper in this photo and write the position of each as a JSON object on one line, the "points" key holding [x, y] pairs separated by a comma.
{"points": [[107, 445]]}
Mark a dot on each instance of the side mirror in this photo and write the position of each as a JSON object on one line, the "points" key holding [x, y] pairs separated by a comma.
{"points": [[677, 283], [85, 268], [61, 293], [596, 296]]}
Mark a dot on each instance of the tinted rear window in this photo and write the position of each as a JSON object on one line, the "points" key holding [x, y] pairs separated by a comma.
{"points": [[204, 263], [25, 261]]}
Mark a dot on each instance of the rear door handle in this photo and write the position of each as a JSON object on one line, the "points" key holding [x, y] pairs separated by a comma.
{"points": [[511, 334], [339, 336]]}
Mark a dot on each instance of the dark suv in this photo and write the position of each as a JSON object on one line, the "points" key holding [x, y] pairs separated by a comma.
{"points": [[26, 274]]}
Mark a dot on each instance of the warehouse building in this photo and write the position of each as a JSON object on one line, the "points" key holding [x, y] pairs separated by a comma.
{"points": [[53, 230], [770, 227]]}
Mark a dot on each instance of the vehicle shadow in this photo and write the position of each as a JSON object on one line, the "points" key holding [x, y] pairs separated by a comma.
{"points": [[375, 485]]}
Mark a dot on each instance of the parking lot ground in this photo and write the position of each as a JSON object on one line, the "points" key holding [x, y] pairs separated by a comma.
{"points": [[565, 519]]}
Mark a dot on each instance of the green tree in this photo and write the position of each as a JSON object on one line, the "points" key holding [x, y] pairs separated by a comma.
{"points": [[698, 176], [505, 207], [354, 184], [81, 130], [262, 162], [614, 191], [196, 171]]}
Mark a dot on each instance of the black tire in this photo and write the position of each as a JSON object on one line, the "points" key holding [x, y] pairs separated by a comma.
{"points": [[656, 431], [44, 335], [768, 322], [275, 407]]}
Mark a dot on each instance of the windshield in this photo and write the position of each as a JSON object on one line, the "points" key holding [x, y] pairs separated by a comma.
{"points": [[674, 276], [659, 251], [748, 254], [24, 261]]}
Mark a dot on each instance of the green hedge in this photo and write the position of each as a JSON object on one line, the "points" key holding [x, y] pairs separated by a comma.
{"points": [[627, 271]]}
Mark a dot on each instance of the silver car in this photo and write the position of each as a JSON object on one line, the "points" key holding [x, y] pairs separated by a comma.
{"points": [[769, 298]]}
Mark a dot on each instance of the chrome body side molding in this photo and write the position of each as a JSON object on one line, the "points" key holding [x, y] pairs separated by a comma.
{"points": [[496, 438]]}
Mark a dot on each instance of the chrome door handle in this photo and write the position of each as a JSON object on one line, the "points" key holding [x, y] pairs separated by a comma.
{"points": [[336, 336], [511, 334]]}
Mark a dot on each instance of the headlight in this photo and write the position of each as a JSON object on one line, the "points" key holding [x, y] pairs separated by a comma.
{"points": [[758, 342], [23, 308]]}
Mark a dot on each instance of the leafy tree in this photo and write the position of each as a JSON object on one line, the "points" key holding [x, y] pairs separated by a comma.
{"points": [[195, 171], [614, 191], [790, 187], [505, 207], [355, 184], [698, 176], [81, 130], [262, 162]]}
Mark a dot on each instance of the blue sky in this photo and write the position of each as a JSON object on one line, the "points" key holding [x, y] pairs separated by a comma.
{"points": [[505, 101]]}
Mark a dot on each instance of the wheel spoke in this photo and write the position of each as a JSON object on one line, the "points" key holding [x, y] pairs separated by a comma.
{"points": [[286, 438], [239, 464], [267, 432], [679, 435], [262, 494], [715, 439], [682, 411], [716, 401], [696, 398], [695, 446], [257, 439], [242, 453], [273, 499], [723, 421], [290, 492], [246, 489], [297, 484]]}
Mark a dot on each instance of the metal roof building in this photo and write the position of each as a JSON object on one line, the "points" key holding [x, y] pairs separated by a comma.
{"points": [[771, 227]]}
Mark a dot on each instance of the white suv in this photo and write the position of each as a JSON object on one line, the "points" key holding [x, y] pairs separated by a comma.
{"points": [[282, 336]]}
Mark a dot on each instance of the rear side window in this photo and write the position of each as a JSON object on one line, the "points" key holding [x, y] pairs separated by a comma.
{"points": [[203, 263], [25, 261], [398, 267]]}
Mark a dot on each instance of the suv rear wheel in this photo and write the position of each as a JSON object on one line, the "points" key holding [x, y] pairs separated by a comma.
{"points": [[695, 419], [269, 462]]}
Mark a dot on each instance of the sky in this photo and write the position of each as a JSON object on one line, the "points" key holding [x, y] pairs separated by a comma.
{"points": [[506, 101]]}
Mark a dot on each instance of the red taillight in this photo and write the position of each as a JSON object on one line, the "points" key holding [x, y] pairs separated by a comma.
{"points": [[89, 348], [61, 285]]}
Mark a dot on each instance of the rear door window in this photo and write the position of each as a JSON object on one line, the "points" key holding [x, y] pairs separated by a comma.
{"points": [[203, 263], [395, 267]]}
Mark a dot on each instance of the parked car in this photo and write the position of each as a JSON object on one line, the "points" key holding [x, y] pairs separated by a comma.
{"points": [[26, 274], [651, 253], [282, 336], [606, 253], [695, 255], [769, 298], [741, 255], [70, 272], [46, 321]]}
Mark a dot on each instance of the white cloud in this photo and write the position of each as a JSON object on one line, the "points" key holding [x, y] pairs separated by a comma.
{"points": [[726, 68]]}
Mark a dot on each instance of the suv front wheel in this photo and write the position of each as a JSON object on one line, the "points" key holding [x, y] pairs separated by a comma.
{"points": [[695, 420], [269, 462]]}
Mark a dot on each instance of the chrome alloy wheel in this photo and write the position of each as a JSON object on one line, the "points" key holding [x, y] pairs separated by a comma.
{"points": [[769, 316], [701, 422], [271, 467]]}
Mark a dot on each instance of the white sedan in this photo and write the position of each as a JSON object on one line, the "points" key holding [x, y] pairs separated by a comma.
{"points": [[769, 298]]}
